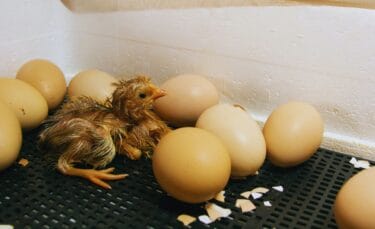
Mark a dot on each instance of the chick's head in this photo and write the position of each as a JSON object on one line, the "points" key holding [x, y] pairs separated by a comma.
{"points": [[135, 96]]}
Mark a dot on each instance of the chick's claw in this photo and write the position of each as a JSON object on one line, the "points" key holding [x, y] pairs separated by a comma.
{"points": [[98, 176]]}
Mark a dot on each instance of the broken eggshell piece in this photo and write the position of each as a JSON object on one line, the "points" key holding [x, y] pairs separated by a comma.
{"points": [[220, 196], [245, 205], [186, 219], [216, 212]]}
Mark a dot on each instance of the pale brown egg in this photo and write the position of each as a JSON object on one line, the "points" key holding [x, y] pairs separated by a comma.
{"points": [[240, 134], [92, 83], [355, 203], [293, 132], [191, 164], [47, 78], [25, 101], [10, 137], [187, 97]]}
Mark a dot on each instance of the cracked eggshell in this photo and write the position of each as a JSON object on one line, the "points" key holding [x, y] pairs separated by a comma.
{"points": [[25, 101], [92, 83], [10, 136], [355, 202], [240, 134], [47, 78], [191, 164], [293, 133], [187, 97]]}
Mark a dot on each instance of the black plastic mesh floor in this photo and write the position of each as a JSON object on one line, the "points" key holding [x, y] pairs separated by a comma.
{"points": [[37, 196]]}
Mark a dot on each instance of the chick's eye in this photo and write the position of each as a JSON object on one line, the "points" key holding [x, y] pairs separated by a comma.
{"points": [[142, 95]]}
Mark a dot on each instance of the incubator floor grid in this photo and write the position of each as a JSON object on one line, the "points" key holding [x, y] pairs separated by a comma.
{"points": [[37, 196]]}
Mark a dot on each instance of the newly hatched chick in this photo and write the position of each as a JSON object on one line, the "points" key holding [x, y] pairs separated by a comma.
{"points": [[86, 131]]}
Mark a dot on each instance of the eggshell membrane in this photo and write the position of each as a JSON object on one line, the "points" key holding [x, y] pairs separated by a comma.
{"points": [[293, 132], [10, 136], [187, 97], [191, 164], [25, 101], [47, 78], [355, 203], [240, 134], [92, 83]]}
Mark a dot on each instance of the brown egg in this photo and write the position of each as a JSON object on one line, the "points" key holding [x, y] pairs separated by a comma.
{"points": [[25, 101], [10, 136], [187, 97], [92, 83], [293, 132], [191, 164], [47, 78], [240, 134], [355, 203]]}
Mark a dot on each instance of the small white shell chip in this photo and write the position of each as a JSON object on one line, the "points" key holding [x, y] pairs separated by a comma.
{"points": [[359, 163], [278, 188], [205, 219], [267, 203], [256, 195]]}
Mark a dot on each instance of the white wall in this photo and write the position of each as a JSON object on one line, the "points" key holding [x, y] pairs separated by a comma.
{"points": [[31, 29], [259, 57]]}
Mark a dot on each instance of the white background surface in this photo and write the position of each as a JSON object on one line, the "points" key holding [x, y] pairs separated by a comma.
{"points": [[259, 57]]}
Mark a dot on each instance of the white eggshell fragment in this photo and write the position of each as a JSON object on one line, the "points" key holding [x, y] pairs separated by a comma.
{"points": [[240, 134]]}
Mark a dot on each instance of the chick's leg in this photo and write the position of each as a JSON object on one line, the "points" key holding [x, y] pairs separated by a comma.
{"points": [[85, 142], [97, 177], [130, 151]]}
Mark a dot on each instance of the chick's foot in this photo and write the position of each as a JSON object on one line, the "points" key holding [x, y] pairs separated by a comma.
{"points": [[97, 177]]}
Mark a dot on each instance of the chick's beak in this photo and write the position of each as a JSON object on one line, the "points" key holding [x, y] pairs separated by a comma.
{"points": [[157, 93]]}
